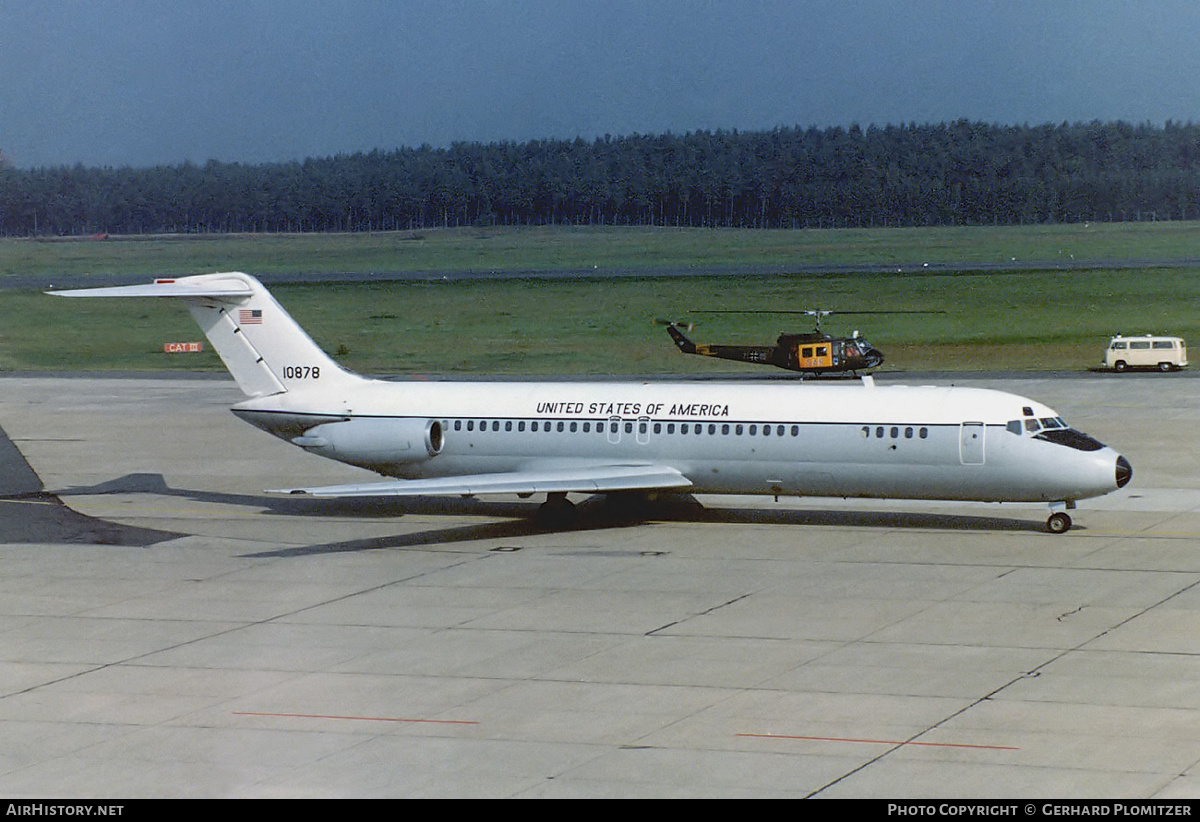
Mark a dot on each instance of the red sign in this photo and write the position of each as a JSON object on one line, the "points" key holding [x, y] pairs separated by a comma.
{"points": [[182, 347]]}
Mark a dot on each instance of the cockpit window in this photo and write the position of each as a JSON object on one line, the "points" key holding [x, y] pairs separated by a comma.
{"points": [[1071, 438], [1031, 425]]}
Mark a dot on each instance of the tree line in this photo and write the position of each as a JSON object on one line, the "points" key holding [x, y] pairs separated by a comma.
{"points": [[960, 173]]}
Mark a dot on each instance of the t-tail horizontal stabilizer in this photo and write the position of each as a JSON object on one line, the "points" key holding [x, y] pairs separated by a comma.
{"points": [[265, 350]]}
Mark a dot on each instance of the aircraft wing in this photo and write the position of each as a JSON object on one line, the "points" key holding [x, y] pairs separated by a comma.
{"points": [[587, 479]]}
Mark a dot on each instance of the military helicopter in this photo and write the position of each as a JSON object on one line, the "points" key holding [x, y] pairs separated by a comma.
{"points": [[813, 354]]}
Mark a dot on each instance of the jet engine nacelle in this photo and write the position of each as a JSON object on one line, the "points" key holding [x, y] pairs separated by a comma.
{"points": [[375, 442]]}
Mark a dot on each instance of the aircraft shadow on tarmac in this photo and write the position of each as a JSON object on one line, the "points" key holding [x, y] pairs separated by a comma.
{"points": [[595, 513], [29, 514]]}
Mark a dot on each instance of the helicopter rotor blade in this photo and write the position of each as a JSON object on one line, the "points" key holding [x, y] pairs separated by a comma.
{"points": [[815, 312], [818, 313]]}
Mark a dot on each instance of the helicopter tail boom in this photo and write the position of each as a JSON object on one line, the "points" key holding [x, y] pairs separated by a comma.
{"points": [[681, 342]]}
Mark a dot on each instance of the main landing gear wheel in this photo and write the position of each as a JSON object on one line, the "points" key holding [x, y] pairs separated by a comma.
{"points": [[1058, 523], [556, 511]]}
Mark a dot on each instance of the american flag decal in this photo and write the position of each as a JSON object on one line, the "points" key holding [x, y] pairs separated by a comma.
{"points": [[250, 316]]}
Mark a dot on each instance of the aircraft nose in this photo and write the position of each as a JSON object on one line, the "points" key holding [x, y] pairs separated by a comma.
{"points": [[1124, 472]]}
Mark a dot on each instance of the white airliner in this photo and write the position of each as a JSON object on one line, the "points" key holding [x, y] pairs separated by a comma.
{"points": [[783, 438]]}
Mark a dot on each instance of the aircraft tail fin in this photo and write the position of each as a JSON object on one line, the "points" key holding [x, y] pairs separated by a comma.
{"points": [[265, 350]]}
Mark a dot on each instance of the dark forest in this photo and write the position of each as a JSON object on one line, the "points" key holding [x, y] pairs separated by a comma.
{"points": [[961, 173]]}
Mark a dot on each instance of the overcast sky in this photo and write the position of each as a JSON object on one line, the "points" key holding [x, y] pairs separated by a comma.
{"points": [[145, 82]]}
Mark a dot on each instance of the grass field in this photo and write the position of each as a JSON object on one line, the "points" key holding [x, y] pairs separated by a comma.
{"points": [[607, 249], [1034, 319]]}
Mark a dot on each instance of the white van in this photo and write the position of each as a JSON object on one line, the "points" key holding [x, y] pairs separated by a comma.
{"points": [[1163, 353]]}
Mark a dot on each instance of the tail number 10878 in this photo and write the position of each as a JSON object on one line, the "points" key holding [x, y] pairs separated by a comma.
{"points": [[302, 372]]}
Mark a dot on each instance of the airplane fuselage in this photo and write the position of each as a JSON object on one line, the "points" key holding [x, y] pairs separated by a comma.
{"points": [[847, 440]]}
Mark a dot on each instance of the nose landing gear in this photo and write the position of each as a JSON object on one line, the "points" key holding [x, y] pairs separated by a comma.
{"points": [[1059, 521]]}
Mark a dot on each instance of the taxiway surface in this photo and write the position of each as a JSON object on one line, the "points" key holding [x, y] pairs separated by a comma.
{"points": [[172, 631]]}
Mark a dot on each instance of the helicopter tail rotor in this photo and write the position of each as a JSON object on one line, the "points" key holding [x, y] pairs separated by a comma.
{"points": [[684, 324]]}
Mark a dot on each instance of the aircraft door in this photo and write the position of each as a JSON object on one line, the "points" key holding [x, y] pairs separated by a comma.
{"points": [[971, 443], [643, 430], [614, 430]]}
